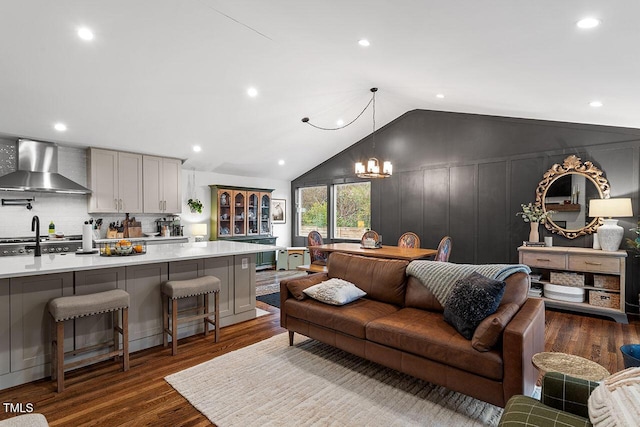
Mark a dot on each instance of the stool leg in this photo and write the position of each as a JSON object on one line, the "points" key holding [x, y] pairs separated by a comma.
{"points": [[116, 337], [205, 319], [60, 355], [54, 351], [216, 304], [165, 320], [174, 327], [125, 339]]}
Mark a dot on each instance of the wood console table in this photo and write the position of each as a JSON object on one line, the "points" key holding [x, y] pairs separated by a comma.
{"points": [[596, 267]]}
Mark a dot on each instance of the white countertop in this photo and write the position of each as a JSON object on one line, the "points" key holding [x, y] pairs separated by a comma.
{"points": [[28, 265]]}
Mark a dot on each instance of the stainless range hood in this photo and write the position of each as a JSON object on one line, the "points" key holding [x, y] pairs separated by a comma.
{"points": [[38, 171]]}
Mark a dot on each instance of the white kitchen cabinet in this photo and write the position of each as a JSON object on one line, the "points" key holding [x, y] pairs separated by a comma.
{"points": [[162, 184], [115, 179]]}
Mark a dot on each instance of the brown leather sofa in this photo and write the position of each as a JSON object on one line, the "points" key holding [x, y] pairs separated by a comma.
{"points": [[400, 324]]}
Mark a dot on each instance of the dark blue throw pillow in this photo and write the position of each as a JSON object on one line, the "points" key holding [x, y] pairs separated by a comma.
{"points": [[471, 300]]}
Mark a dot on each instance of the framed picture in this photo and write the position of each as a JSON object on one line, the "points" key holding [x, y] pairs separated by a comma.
{"points": [[278, 211]]}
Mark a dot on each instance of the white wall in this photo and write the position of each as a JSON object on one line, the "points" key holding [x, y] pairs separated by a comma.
{"points": [[69, 212]]}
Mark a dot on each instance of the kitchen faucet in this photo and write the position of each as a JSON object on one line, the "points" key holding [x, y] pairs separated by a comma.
{"points": [[35, 226]]}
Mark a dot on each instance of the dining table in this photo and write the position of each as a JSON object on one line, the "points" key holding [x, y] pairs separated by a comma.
{"points": [[384, 251]]}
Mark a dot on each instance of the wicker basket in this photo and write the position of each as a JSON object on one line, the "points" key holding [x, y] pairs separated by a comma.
{"points": [[604, 299], [606, 282], [567, 279]]}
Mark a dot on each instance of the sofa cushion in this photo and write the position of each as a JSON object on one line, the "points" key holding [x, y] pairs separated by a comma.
{"points": [[382, 279], [471, 300], [517, 289], [297, 285], [426, 334], [350, 319], [335, 291], [490, 329], [419, 296]]}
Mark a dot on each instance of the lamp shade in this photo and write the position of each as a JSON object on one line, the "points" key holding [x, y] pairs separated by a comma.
{"points": [[199, 229], [620, 207]]}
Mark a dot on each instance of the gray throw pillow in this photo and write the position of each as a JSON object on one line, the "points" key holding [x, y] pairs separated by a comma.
{"points": [[472, 299]]}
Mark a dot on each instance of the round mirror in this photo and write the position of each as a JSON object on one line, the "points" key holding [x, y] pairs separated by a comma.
{"points": [[567, 189]]}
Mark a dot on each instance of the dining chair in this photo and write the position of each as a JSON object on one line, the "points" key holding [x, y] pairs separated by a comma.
{"points": [[317, 257], [409, 240], [370, 235], [444, 249]]}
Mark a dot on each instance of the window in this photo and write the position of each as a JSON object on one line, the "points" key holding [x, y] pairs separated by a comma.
{"points": [[351, 210], [312, 203]]}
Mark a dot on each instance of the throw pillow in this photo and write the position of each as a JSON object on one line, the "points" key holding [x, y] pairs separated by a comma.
{"points": [[335, 291], [471, 300], [489, 330]]}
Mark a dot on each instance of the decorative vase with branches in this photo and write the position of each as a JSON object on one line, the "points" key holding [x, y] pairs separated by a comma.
{"points": [[535, 215]]}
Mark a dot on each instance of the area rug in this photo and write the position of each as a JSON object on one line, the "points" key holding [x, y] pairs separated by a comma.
{"points": [[271, 299], [313, 384]]}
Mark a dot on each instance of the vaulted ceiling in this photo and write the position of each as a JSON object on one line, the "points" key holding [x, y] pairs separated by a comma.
{"points": [[161, 76]]}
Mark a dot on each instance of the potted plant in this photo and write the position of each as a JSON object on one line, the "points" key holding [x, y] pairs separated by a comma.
{"points": [[535, 215], [195, 205]]}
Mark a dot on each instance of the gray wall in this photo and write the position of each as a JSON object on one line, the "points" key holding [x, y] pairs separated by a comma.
{"points": [[465, 175]]}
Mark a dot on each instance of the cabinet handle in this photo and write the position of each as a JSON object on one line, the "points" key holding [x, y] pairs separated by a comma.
{"points": [[115, 204], [592, 263], [119, 204], [160, 205], [164, 205], [543, 259]]}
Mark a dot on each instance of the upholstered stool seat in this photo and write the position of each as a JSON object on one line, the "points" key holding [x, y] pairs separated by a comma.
{"points": [[173, 290], [76, 306], [25, 420]]}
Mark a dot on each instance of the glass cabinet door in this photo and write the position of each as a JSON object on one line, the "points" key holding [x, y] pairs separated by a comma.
{"points": [[225, 213], [265, 213], [239, 213], [253, 213]]}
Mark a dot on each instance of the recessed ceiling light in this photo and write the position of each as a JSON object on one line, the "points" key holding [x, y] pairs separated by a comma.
{"points": [[440, 95], [60, 127], [197, 148], [340, 122], [252, 92], [588, 23], [85, 33], [281, 162], [364, 42], [595, 104]]}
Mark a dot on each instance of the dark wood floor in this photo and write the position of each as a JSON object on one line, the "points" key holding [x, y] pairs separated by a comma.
{"points": [[101, 395]]}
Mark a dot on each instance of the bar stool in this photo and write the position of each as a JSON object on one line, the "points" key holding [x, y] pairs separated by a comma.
{"points": [[72, 307], [173, 290]]}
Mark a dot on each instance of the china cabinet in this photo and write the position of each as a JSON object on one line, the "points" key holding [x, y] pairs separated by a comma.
{"points": [[243, 214]]}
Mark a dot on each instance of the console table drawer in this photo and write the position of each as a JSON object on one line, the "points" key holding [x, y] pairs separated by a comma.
{"points": [[544, 260], [594, 264]]}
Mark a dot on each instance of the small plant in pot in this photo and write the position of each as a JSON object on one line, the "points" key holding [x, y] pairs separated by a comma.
{"points": [[195, 205]]}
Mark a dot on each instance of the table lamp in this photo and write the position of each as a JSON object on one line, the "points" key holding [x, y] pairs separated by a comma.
{"points": [[199, 231], [610, 234]]}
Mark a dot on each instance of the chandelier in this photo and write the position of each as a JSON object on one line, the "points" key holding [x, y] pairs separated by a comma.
{"points": [[372, 167]]}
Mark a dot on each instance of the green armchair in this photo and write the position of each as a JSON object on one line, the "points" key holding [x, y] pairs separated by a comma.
{"points": [[563, 402]]}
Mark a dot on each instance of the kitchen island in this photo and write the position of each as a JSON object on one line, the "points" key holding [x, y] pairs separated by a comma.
{"points": [[27, 283]]}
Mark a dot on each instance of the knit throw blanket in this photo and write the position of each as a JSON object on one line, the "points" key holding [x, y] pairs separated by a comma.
{"points": [[439, 277], [616, 401]]}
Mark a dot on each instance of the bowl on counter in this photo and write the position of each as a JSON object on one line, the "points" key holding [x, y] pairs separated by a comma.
{"points": [[151, 234], [124, 249]]}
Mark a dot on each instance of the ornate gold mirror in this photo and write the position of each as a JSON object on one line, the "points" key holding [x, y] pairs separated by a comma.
{"points": [[566, 189]]}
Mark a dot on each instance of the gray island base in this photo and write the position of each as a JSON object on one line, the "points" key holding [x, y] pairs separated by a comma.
{"points": [[28, 283]]}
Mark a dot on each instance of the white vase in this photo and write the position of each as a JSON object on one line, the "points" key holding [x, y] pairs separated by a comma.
{"points": [[534, 236]]}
